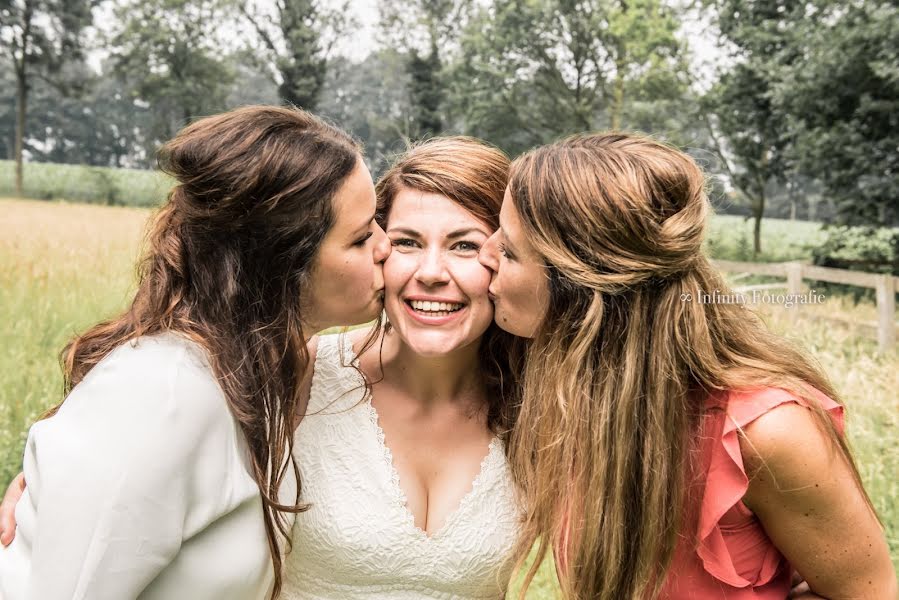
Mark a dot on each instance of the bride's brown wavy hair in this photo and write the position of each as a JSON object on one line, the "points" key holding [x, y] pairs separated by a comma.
{"points": [[226, 263], [619, 371]]}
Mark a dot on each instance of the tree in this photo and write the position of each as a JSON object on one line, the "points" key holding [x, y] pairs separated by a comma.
{"points": [[371, 100], [427, 32], [7, 109], [641, 43], [103, 126], [842, 97], [39, 37], [426, 92], [296, 40], [167, 52], [748, 129], [533, 70]]}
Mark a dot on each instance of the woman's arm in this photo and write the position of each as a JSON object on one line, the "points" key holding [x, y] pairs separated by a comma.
{"points": [[134, 462], [802, 490], [8, 509]]}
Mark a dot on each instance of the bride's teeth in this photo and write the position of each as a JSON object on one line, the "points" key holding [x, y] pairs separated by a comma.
{"points": [[435, 307]]}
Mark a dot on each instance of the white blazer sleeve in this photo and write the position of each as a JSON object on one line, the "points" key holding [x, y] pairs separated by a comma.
{"points": [[121, 475]]}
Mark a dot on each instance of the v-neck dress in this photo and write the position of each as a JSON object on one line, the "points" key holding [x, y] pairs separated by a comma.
{"points": [[359, 539]]}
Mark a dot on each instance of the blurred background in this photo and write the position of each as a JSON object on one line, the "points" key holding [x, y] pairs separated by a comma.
{"points": [[792, 107]]}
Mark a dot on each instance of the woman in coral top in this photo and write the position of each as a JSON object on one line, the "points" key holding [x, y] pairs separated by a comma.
{"points": [[703, 457]]}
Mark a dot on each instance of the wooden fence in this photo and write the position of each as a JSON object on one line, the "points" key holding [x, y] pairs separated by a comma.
{"points": [[885, 286]]}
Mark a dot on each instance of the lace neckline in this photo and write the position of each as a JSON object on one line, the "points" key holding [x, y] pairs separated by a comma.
{"points": [[399, 496]]}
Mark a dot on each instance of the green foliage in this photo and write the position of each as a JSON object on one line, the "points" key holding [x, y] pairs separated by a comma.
{"points": [[811, 98], [302, 66], [172, 59], [426, 93], [869, 249], [533, 70], [80, 183], [841, 93], [39, 37], [294, 43], [745, 123], [43, 34], [371, 100], [427, 32], [103, 126]]}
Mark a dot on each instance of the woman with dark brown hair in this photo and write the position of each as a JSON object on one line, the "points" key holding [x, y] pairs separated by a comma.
{"points": [[167, 471], [668, 448]]}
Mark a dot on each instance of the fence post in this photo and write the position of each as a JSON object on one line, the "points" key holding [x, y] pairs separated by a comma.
{"points": [[886, 310], [794, 285], [794, 277]]}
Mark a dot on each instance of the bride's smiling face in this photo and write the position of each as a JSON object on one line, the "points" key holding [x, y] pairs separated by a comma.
{"points": [[435, 289]]}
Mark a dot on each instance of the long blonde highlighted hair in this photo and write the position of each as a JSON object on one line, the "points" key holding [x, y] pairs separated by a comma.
{"points": [[620, 370]]}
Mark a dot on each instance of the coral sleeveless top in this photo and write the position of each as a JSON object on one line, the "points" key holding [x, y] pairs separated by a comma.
{"points": [[734, 559]]}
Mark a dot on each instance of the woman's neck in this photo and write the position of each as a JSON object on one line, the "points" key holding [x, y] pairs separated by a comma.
{"points": [[448, 378]]}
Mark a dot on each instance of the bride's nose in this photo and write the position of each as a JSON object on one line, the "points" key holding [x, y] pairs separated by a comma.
{"points": [[432, 268]]}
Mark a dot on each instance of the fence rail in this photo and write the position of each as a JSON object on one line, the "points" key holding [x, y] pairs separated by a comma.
{"points": [[885, 287]]}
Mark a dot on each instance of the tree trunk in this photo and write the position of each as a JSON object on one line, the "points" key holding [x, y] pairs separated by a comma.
{"points": [[21, 98], [20, 64], [758, 209], [617, 101]]}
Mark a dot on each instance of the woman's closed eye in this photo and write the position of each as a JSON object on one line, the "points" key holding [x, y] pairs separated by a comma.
{"points": [[504, 251], [361, 241]]}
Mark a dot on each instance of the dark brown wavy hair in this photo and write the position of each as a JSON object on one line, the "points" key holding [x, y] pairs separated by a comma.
{"points": [[619, 373], [227, 259], [472, 174]]}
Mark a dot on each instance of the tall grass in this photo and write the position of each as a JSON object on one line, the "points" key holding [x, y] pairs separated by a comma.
{"points": [[82, 183], [64, 266]]}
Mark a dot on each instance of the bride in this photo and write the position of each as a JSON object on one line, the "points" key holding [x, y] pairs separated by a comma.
{"points": [[409, 491]]}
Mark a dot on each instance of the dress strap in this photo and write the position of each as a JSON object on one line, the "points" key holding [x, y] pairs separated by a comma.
{"points": [[337, 384]]}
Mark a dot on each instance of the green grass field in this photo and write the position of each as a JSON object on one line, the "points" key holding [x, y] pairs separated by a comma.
{"points": [[730, 237], [65, 266], [84, 183]]}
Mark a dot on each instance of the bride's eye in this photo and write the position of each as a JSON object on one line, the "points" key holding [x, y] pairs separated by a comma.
{"points": [[403, 243], [466, 247]]}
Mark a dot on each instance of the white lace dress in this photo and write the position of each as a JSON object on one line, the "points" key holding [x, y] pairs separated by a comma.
{"points": [[359, 540]]}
